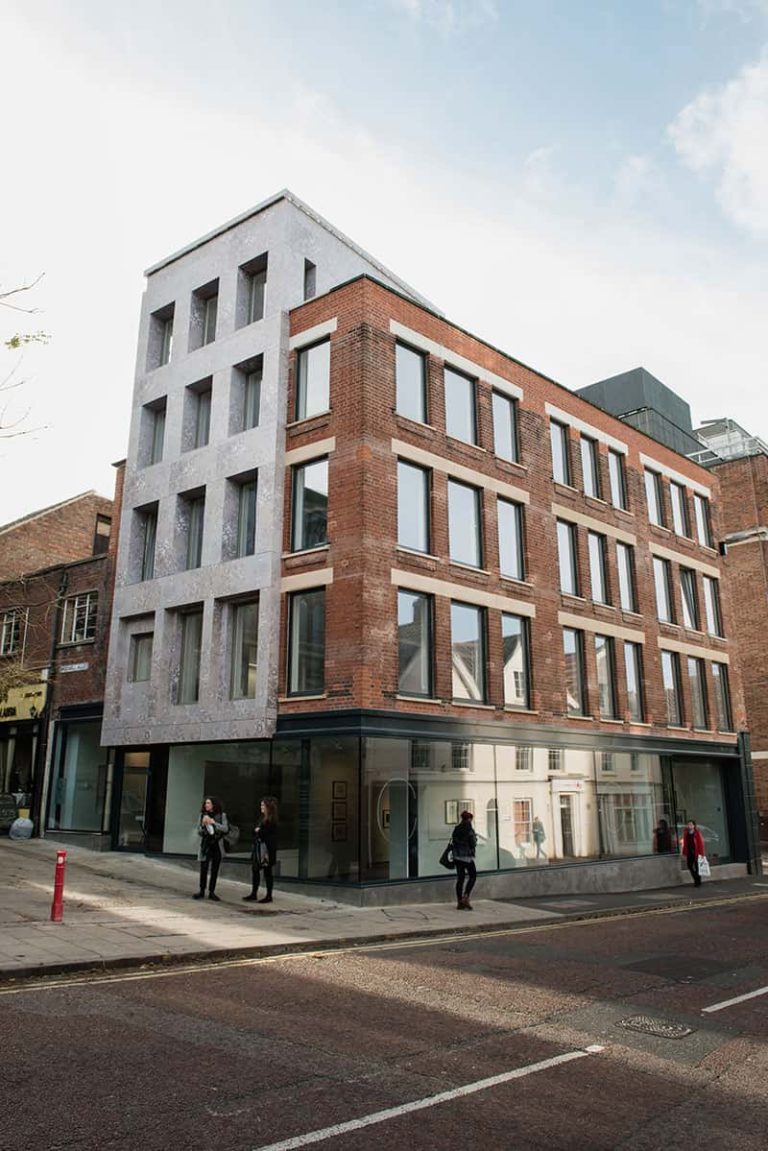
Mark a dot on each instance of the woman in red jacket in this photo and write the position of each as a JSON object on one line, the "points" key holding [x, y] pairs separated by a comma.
{"points": [[692, 848]]}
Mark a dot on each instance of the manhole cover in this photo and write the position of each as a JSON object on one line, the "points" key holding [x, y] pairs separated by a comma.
{"points": [[658, 1027]]}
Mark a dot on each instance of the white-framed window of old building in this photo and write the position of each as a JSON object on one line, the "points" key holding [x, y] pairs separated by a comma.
{"points": [[12, 624], [78, 624]]}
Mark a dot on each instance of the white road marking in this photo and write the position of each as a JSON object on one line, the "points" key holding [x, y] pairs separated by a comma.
{"points": [[738, 999], [421, 1104]]}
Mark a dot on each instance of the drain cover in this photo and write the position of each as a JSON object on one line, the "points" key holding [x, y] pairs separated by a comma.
{"points": [[658, 1027]]}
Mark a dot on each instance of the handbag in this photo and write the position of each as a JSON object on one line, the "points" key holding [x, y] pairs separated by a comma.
{"points": [[446, 859], [262, 853], [704, 869]]}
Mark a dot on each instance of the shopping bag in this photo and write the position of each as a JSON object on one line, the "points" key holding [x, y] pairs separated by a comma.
{"points": [[704, 868]]}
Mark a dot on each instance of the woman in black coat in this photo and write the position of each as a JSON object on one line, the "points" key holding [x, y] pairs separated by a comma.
{"points": [[213, 825], [264, 851], [463, 845]]}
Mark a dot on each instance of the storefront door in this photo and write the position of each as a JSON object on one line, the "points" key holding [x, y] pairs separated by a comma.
{"points": [[132, 824]]}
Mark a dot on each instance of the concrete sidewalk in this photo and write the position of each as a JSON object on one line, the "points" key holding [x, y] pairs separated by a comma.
{"points": [[127, 910]]}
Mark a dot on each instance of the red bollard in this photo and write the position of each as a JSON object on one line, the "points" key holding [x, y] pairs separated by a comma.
{"points": [[57, 906]]}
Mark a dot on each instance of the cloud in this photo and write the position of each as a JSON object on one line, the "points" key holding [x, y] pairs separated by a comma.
{"points": [[721, 135], [448, 16]]}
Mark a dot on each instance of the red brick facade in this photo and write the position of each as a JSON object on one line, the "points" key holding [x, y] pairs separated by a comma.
{"points": [[56, 535], [361, 656]]}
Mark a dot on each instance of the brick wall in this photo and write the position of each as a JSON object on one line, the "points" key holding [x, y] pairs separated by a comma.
{"points": [[361, 616], [60, 534]]}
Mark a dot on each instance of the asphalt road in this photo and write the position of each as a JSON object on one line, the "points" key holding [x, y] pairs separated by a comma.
{"points": [[265, 1053]]}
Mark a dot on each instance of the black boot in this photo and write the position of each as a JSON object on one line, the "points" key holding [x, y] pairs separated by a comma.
{"points": [[252, 897]]}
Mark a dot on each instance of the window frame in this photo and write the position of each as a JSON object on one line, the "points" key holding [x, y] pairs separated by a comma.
{"points": [[597, 545], [713, 614], [524, 634], [566, 530], [303, 367], [689, 597], [480, 614], [663, 566], [460, 404], [517, 534], [579, 665], [426, 644], [625, 566], [635, 651], [654, 497], [617, 479], [559, 443], [589, 453], [425, 500], [195, 517], [670, 660], [453, 526], [679, 503], [401, 393], [697, 688], [247, 507], [72, 607], [10, 626], [135, 658], [703, 518], [299, 514], [295, 677], [237, 650], [721, 692], [149, 518], [188, 684], [606, 683], [509, 405]]}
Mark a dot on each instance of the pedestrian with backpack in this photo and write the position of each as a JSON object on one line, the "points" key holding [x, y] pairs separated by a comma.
{"points": [[264, 851], [212, 827], [463, 847]]}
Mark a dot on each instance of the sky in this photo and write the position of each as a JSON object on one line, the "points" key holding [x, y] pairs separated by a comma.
{"points": [[582, 183]]}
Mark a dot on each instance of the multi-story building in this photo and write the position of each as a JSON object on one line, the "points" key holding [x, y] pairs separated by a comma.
{"points": [[54, 626], [415, 577]]}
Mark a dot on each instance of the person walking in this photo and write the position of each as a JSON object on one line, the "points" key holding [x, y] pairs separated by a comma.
{"points": [[662, 837], [264, 851], [463, 845], [693, 847], [212, 828], [538, 835]]}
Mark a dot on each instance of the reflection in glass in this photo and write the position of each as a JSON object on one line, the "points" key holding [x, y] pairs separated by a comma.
{"points": [[468, 652], [573, 649], [460, 407], [464, 524], [412, 507], [313, 380], [310, 505], [410, 382], [414, 628], [306, 673], [504, 427], [514, 634]]}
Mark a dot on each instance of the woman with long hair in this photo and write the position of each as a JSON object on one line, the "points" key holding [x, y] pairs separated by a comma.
{"points": [[212, 826], [264, 851], [463, 845]]}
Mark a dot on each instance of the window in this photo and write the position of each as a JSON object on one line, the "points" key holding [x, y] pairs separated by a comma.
{"points": [[79, 621], [566, 550], [101, 535], [140, 659], [722, 697], [597, 567], [202, 416], [189, 662], [625, 562], [606, 676], [464, 531], [245, 395], [245, 637], [524, 762], [460, 413], [510, 523], [679, 509], [203, 315], [148, 526], [310, 280], [590, 467], [561, 463], [575, 688], [160, 337], [703, 522], [251, 399], [246, 518], [514, 638], [413, 527], [194, 513], [712, 606], [251, 291], [310, 505], [10, 631], [154, 431], [414, 637], [617, 479], [504, 427], [654, 497], [313, 380], [461, 759], [670, 676], [411, 383], [633, 667], [689, 598], [662, 578], [468, 652], [555, 759], [606, 762], [698, 689], [306, 645]]}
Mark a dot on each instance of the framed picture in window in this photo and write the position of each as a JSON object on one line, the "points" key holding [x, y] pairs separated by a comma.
{"points": [[339, 809], [339, 832], [452, 811], [339, 789]]}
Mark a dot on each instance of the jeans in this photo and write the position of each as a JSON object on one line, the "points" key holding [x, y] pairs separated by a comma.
{"points": [[465, 869], [214, 860]]}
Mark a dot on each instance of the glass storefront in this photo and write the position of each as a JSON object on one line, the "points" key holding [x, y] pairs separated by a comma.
{"points": [[79, 783]]}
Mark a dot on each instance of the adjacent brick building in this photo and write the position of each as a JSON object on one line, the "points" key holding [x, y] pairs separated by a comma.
{"points": [[60, 534]]}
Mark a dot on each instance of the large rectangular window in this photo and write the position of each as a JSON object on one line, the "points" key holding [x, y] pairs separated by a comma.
{"points": [[510, 524], [606, 676], [590, 467], [698, 691], [617, 478], [703, 522], [148, 521], [310, 505], [411, 383], [203, 417], [464, 524], [679, 509], [722, 697], [189, 662], [504, 427], [670, 675], [712, 606], [252, 291], [140, 659], [654, 497], [245, 642], [625, 562], [313, 380], [414, 634], [204, 312], [160, 343], [413, 526], [566, 551], [575, 686], [252, 398], [195, 516], [689, 598], [306, 644], [561, 460], [633, 668], [662, 579], [460, 412], [246, 518], [514, 638], [155, 431], [79, 619], [597, 567], [10, 631], [468, 652]]}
